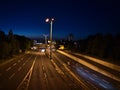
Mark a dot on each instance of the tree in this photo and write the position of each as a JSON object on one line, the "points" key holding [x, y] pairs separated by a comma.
{"points": [[12, 42], [2, 36], [24, 43], [116, 48], [4, 47]]}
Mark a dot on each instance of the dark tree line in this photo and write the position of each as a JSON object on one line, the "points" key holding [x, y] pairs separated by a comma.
{"points": [[102, 46], [13, 44]]}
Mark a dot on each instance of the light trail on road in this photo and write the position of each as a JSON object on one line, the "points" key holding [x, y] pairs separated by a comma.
{"points": [[88, 75], [93, 67], [104, 63], [71, 75], [97, 80]]}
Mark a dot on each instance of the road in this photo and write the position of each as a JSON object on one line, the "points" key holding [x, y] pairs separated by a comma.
{"points": [[45, 77], [35, 71], [92, 72], [13, 72]]}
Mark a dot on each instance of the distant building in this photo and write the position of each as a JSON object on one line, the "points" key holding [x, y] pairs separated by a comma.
{"points": [[70, 37], [35, 42]]}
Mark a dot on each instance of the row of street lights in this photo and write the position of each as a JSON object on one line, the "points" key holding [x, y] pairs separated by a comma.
{"points": [[50, 20]]}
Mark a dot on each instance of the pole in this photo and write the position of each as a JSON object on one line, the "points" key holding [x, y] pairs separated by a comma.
{"points": [[45, 39], [51, 39], [51, 23]]}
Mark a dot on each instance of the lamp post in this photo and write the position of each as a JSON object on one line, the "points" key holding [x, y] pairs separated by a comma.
{"points": [[45, 39], [51, 23]]}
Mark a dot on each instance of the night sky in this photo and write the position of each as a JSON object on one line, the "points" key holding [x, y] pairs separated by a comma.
{"points": [[79, 17]]}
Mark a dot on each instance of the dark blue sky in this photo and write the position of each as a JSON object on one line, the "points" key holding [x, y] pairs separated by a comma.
{"points": [[80, 17]]}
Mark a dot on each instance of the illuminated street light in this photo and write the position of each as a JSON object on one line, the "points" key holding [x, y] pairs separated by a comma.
{"points": [[51, 22], [47, 20]]}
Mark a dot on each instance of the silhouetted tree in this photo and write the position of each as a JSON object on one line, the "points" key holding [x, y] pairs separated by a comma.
{"points": [[24, 42], [12, 42], [2, 36], [4, 47], [116, 48], [89, 44], [108, 46]]}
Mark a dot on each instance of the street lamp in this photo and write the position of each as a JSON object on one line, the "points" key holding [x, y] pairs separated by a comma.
{"points": [[51, 23], [45, 35]]}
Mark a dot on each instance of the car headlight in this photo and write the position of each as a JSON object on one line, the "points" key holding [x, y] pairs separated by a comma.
{"points": [[42, 50]]}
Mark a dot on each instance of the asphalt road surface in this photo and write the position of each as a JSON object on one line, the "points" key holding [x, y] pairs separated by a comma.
{"points": [[35, 71]]}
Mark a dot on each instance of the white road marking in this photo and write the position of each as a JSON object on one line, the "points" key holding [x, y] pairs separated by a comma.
{"points": [[23, 64], [11, 76], [94, 75], [92, 85], [57, 68], [18, 61], [92, 78], [43, 68], [8, 69], [65, 66], [87, 71], [45, 75], [14, 64], [26, 61], [19, 68], [102, 85], [29, 73], [105, 81], [81, 67]]}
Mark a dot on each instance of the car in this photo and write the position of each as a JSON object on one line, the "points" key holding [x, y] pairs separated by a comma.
{"points": [[42, 50]]}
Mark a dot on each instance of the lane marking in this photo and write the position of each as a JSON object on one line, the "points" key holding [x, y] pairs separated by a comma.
{"points": [[65, 66], [43, 68], [19, 68], [92, 78], [105, 81], [14, 64], [87, 71], [84, 85], [103, 85], [92, 85], [45, 75], [18, 61], [8, 69], [57, 68], [23, 64], [28, 74], [94, 75], [26, 61], [11, 76], [81, 67]]}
